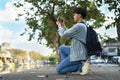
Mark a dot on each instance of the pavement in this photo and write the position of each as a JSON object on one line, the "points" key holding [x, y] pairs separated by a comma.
{"points": [[96, 72]]}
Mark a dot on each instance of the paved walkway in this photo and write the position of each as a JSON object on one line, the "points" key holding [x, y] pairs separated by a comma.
{"points": [[48, 73]]}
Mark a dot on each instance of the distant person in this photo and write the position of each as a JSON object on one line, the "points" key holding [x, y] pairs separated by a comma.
{"points": [[11, 65], [74, 57]]}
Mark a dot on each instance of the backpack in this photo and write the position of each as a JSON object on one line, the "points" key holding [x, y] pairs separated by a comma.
{"points": [[93, 44]]}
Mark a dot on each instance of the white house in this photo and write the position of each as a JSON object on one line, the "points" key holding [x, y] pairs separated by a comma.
{"points": [[111, 49]]}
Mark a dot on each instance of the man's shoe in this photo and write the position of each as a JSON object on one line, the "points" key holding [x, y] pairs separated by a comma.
{"points": [[85, 68]]}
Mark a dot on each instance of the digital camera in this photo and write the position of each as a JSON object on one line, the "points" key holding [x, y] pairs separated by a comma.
{"points": [[60, 19]]}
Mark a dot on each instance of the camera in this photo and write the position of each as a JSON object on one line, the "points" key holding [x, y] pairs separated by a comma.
{"points": [[60, 19]]}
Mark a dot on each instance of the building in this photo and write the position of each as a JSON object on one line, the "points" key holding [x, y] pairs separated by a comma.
{"points": [[110, 50], [5, 56]]}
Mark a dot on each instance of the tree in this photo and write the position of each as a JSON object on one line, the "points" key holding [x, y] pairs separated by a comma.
{"points": [[18, 53], [0, 50], [41, 16], [5, 45], [113, 6], [35, 55]]}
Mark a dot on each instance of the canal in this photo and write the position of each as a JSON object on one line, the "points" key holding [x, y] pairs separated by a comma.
{"points": [[10, 67]]}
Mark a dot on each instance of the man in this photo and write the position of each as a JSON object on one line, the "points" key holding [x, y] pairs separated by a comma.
{"points": [[73, 56]]}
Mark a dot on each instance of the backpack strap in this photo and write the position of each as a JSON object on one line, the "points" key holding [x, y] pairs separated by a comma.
{"points": [[83, 23]]}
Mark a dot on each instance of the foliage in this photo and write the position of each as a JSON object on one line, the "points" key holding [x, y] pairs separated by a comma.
{"points": [[53, 58], [4, 46], [35, 55], [41, 16], [113, 6], [18, 53]]}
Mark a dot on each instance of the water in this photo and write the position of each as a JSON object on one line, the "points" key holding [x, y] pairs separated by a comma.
{"points": [[18, 67]]}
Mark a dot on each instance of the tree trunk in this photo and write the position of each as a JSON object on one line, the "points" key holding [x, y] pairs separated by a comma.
{"points": [[118, 31], [57, 44]]}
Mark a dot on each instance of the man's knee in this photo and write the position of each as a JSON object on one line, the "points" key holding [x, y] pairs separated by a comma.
{"points": [[61, 48]]}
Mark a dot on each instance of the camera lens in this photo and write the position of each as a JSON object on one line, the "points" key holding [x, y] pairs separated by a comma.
{"points": [[60, 19]]}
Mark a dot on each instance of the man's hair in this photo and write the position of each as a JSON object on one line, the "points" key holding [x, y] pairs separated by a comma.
{"points": [[82, 11]]}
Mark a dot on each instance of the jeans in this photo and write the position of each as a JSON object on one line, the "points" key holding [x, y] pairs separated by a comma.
{"points": [[66, 65]]}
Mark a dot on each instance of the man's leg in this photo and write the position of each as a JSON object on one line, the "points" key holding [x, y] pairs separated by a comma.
{"points": [[66, 66], [64, 51]]}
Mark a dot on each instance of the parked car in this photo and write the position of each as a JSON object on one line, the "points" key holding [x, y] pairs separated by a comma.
{"points": [[97, 60], [116, 59]]}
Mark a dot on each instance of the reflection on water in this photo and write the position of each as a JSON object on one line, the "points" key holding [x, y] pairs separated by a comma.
{"points": [[10, 66]]}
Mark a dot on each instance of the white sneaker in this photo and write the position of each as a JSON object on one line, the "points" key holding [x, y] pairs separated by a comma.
{"points": [[85, 68]]}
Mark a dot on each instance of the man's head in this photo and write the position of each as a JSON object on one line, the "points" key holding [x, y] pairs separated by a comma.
{"points": [[79, 13]]}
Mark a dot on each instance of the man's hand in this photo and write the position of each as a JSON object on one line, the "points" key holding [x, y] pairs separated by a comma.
{"points": [[60, 24]]}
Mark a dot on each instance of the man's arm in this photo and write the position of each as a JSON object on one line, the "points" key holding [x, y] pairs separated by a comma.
{"points": [[68, 33]]}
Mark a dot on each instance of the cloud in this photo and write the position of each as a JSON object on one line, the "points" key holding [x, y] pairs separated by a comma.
{"points": [[9, 14], [20, 42], [5, 34], [112, 32]]}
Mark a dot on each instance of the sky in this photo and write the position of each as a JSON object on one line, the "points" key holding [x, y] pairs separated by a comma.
{"points": [[111, 32], [10, 29]]}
